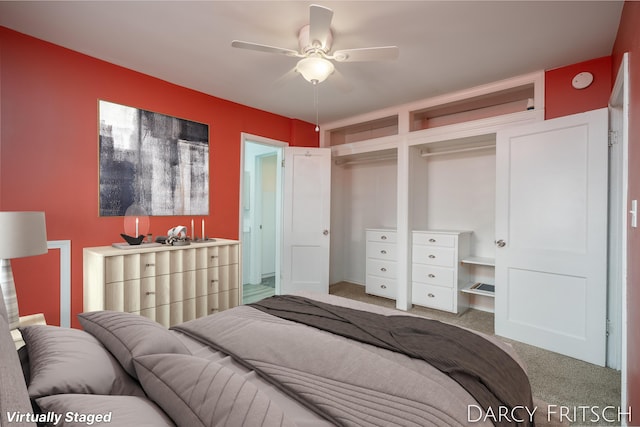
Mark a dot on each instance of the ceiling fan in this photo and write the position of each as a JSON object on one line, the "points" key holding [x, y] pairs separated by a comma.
{"points": [[315, 41]]}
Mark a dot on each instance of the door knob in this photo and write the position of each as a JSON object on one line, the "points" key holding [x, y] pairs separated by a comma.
{"points": [[500, 243], [325, 232]]}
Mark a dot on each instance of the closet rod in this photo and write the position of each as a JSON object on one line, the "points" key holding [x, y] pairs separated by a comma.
{"points": [[339, 162], [458, 150]]}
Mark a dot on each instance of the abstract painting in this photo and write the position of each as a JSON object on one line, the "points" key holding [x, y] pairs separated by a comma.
{"points": [[153, 161]]}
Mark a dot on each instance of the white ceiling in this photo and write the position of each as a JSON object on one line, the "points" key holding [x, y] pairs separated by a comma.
{"points": [[444, 45]]}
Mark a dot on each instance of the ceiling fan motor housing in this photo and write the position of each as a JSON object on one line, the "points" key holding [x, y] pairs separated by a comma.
{"points": [[308, 46]]}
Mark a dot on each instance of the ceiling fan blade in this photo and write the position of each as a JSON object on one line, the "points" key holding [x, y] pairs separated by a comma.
{"points": [[382, 53], [264, 48], [320, 24]]}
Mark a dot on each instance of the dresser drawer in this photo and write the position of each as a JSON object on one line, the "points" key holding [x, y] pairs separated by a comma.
{"points": [[387, 236], [381, 287], [434, 239], [129, 267], [442, 257], [432, 296], [385, 251], [433, 275], [381, 268]]}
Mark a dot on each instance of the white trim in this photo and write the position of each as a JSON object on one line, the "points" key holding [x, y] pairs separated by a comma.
{"points": [[244, 138], [620, 98], [65, 279]]}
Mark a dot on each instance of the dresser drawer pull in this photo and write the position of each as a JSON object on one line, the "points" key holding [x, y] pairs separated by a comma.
{"points": [[214, 256], [432, 256], [383, 286], [149, 293], [432, 240], [383, 269], [383, 237], [149, 265], [432, 276], [430, 295], [383, 252], [214, 280]]}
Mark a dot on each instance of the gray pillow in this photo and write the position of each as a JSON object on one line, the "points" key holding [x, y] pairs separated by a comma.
{"points": [[127, 335], [199, 392], [95, 410], [64, 360]]}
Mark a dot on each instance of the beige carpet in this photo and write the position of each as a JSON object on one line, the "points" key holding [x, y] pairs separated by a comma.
{"points": [[564, 383]]}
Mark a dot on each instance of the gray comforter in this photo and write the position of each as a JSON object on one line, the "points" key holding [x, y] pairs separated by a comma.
{"points": [[345, 381]]}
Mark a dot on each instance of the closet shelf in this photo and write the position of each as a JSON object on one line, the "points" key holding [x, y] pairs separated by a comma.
{"points": [[477, 288], [455, 150], [478, 260]]}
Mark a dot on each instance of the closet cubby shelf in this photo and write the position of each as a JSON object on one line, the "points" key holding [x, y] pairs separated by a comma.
{"points": [[476, 288], [477, 260]]}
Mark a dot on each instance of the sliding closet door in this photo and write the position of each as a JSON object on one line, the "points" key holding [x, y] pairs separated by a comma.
{"points": [[551, 235], [306, 219]]}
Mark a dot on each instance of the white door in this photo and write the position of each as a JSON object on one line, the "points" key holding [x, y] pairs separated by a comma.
{"points": [[551, 235], [306, 218]]}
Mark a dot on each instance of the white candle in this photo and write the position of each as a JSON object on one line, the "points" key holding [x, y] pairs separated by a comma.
{"points": [[202, 228], [193, 231], [137, 234]]}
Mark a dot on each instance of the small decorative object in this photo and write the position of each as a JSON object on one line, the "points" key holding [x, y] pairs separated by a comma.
{"points": [[177, 236], [136, 221], [133, 240]]}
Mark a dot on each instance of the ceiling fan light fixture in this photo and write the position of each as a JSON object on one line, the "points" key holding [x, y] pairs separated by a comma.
{"points": [[315, 69]]}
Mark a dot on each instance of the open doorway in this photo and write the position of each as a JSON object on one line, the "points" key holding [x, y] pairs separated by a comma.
{"points": [[260, 214]]}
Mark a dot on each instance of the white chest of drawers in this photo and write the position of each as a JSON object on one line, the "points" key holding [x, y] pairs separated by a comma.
{"points": [[168, 284], [435, 273], [381, 263]]}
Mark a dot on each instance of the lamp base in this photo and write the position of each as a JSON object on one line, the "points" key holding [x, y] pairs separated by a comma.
{"points": [[9, 293]]}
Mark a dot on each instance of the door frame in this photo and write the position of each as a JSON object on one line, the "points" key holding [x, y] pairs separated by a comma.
{"points": [[279, 148], [619, 156]]}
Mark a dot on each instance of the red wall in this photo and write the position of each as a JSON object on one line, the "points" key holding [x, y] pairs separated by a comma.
{"points": [[562, 99], [49, 152], [628, 40]]}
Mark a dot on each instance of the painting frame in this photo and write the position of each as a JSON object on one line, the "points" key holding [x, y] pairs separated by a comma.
{"points": [[153, 162]]}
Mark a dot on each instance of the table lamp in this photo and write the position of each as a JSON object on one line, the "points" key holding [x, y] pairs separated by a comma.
{"points": [[22, 234]]}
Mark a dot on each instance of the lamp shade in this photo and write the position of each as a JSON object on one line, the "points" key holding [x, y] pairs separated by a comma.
{"points": [[22, 234], [315, 69]]}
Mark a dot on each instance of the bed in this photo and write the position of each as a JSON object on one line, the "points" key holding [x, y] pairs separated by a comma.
{"points": [[304, 359]]}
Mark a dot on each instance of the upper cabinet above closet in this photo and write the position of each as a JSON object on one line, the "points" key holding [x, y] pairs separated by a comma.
{"points": [[476, 111], [495, 103]]}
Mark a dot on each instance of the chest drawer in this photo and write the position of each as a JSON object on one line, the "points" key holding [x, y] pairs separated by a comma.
{"points": [[385, 236], [385, 251], [433, 275], [443, 257], [434, 239], [432, 296], [381, 268], [381, 286]]}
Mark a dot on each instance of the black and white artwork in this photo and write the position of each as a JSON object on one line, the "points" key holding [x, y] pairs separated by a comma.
{"points": [[157, 162]]}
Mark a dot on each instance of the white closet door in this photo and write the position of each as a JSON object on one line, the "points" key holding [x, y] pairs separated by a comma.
{"points": [[551, 233], [306, 217]]}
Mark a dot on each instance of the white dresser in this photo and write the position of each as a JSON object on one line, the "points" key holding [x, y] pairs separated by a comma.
{"points": [[381, 263], [168, 284], [435, 273]]}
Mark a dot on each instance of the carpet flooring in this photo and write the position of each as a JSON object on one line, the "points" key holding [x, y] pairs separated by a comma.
{"points": [[560, 384]]}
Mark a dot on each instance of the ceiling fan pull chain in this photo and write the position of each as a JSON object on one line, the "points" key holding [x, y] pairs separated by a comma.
{"points": [[315, 102]]}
